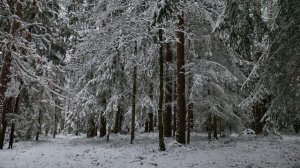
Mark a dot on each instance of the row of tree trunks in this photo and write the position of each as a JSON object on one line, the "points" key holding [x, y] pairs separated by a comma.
{"points": [[212, 127]]}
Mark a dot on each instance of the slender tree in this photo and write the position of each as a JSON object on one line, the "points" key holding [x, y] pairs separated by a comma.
{"points": [[168, 93], [162, 146], [134, 92], [181, 105], [150, 114]]}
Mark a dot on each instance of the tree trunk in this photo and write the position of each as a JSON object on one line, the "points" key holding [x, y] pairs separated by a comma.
{"points": [[102, 126], [209, 127], [134, 90], [120, 119], [150, 114], [147, 126], [181, 120], [168, 93], [7, 108], [117, 121], [11, 136], [55, 124], [38, 132], [4, 80], [215, 128], [91, 127], [2, 135], [161, 94]]}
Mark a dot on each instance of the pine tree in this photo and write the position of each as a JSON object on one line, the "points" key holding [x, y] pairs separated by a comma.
{"points": [[181, 105]]}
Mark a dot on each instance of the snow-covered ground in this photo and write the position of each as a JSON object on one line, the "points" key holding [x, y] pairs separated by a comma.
{"points": [[79, 152]]}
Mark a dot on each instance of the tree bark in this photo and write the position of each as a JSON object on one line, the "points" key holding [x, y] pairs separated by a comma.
{"points": [[181, 120], [11, 136], [38, 132], [209, 127], [102, 126], [7, 108], [92, 127], [215, 127], [134, 91], [117, 121], [162, 146], [150, 114], [168, 93]]}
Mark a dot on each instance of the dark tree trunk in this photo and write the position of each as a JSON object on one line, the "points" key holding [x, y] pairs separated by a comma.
{"points": [[117, 121], [258, 113], [150, 114], [151, 122], [7, 108], [147, 126], [168, 93], [92, 127], [161, 94], [134, 89], [102, 126], [55, 124], [38, 132], [181, 120], [11, 136], [2, 135], [209, 126], [120, 119], [76, 131], [215, 127], [4, 79]]}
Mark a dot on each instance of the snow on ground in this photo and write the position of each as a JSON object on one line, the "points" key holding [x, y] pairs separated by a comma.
{"points": [[79, 152]]}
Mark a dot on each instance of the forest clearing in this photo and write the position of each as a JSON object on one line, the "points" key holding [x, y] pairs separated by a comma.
{"points": [[76, 152]]}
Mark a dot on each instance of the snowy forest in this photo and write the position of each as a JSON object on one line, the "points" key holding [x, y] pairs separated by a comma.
{"points": [[149, 83]]}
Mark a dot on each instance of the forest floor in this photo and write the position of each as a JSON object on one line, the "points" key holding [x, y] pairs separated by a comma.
{"points": [[79, 152]]}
